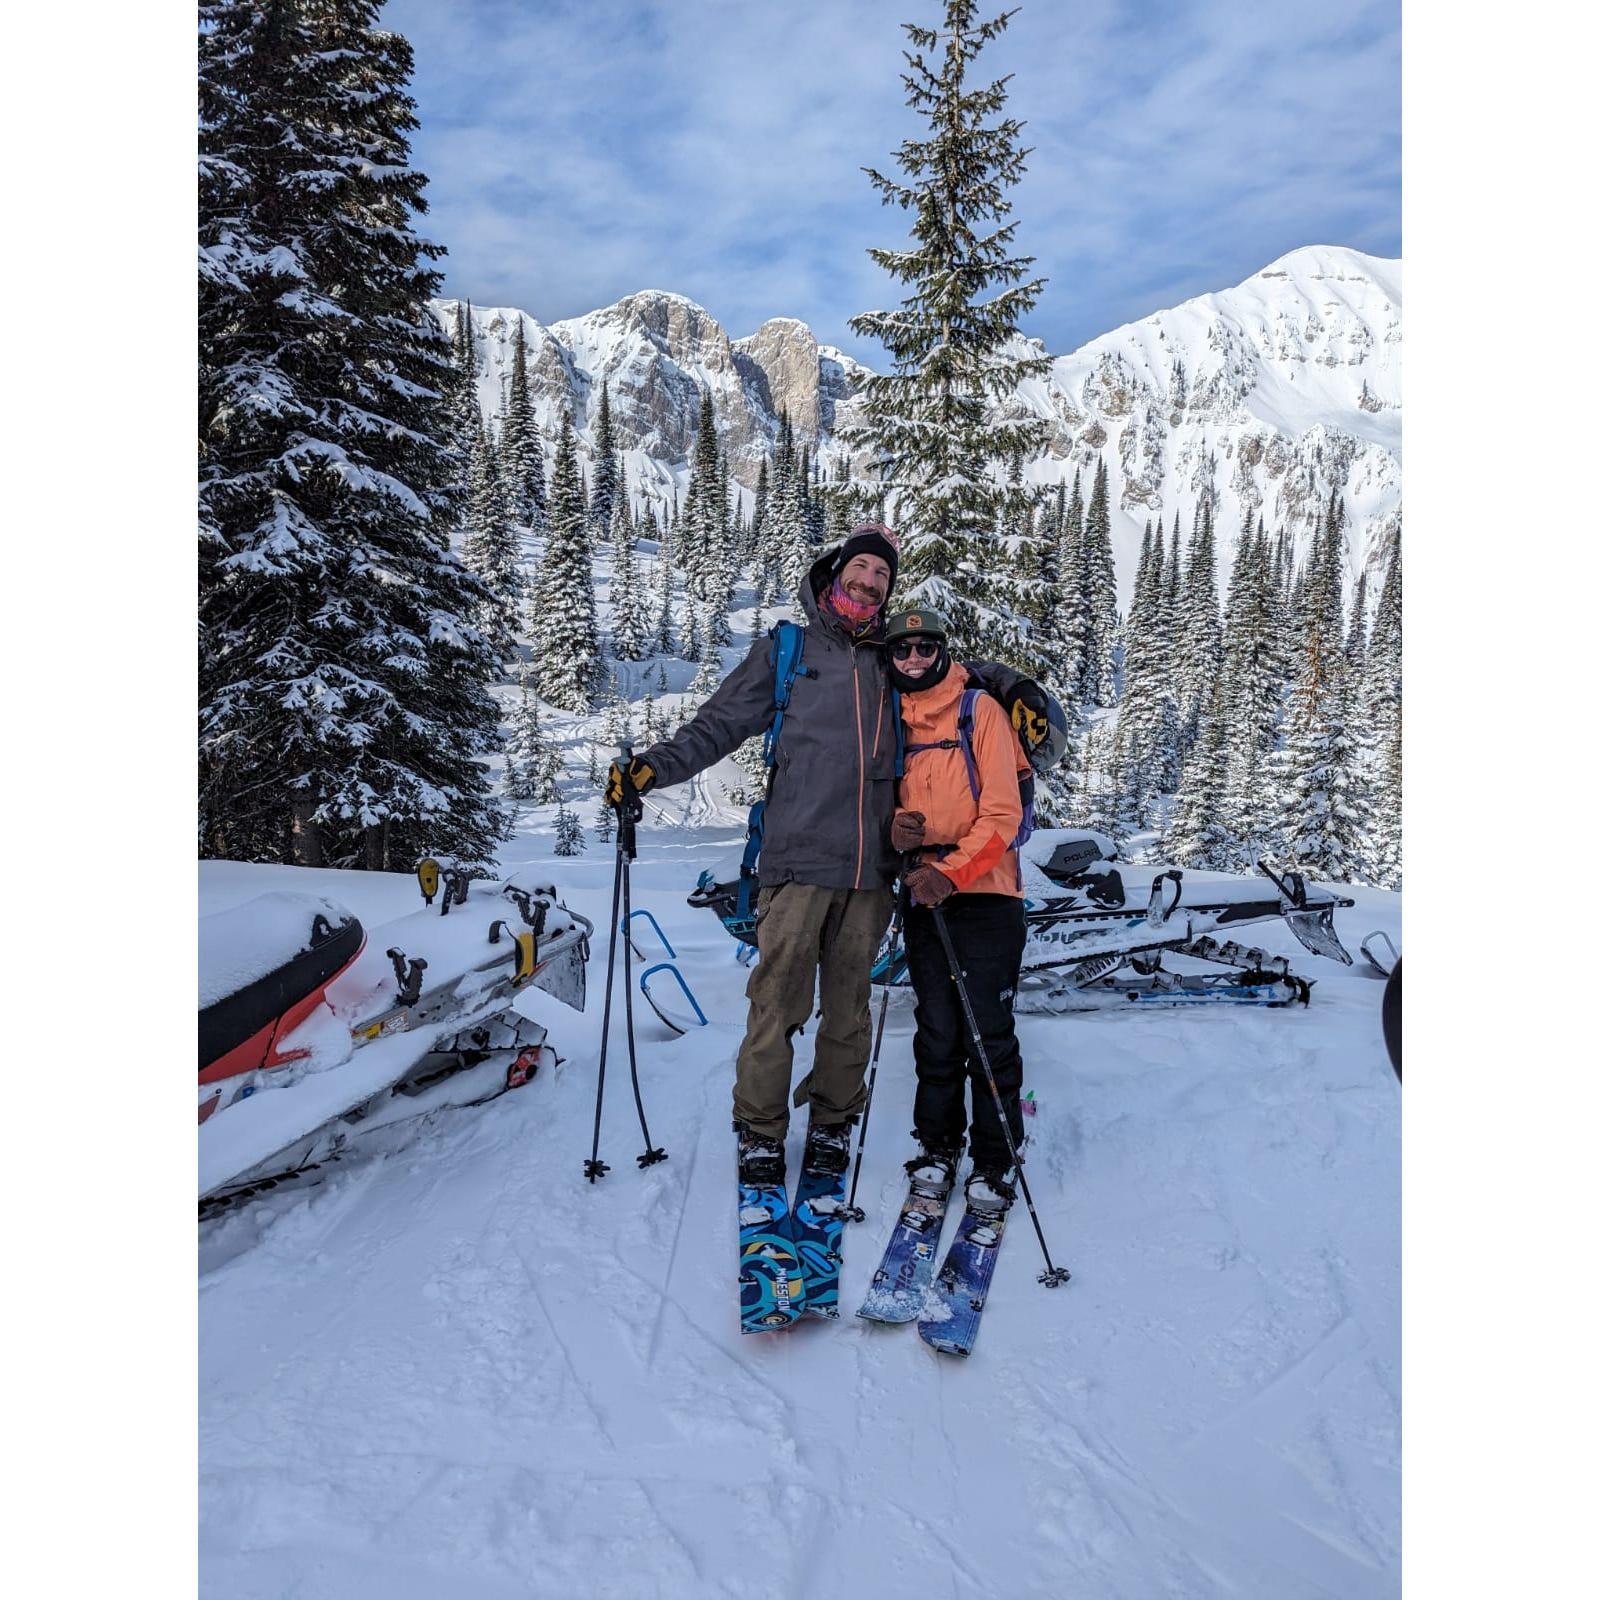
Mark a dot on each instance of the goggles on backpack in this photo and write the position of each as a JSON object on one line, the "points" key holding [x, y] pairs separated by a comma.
{"points": [[904, 649]]}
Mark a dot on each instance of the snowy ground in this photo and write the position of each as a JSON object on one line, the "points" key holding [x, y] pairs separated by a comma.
{"points": [[463, 1371]]}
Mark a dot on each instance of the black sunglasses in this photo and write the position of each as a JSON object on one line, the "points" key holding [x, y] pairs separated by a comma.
{"points": [[904, 649]]}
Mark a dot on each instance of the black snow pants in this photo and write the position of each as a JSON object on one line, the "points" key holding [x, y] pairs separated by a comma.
{"points": [[987, 931]]}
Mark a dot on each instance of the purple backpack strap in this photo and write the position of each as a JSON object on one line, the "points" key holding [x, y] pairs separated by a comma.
{"points": [[964, 720]]}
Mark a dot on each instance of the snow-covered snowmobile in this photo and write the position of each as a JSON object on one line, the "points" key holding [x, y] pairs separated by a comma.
{"points": [[314, 1037], [1100, 930]]}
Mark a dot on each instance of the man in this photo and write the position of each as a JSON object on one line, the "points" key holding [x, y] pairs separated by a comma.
{"points": [[826, 864]]}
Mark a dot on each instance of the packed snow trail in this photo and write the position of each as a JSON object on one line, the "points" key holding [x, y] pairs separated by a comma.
{"points": [[461, 1370]]}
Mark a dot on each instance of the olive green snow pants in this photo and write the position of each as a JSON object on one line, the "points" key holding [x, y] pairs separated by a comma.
{"points": [[805, 931]]}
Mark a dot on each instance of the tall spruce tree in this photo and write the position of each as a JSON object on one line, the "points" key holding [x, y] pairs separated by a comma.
{"points": [[929, 425], [1199, 628], [521, 449], [629, 626], [1099, 580], [562, 622], [345, 717], [531, 764], [607, 469], [493, 548]]}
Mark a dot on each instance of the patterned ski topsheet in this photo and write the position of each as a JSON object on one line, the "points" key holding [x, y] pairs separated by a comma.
{"points": [[818, 1231], [963, 1283], [771, 1284], [908, 1260]]}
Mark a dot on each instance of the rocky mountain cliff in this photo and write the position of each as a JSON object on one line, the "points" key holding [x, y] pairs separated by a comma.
{"points": [[1265, 395]]}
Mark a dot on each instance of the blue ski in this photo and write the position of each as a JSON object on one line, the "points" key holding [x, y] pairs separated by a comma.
{"points": [[908, 1259], [818, 1230], [958, 1294], [771, 1283]]}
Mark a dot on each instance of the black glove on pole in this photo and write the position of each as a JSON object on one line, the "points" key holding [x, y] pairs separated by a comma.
{"points": [[1052, 1276]]}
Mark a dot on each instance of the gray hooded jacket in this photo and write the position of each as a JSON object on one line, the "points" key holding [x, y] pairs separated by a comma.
{"points": [[832, 795]]}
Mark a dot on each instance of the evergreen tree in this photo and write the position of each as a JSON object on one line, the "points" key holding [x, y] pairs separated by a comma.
{"points": [[493, 549], [700, 530], [664, 642], [1324, 804], [345, 717], [1384, 850], [1074, 632], [607, 469], [565, 637], [1382, 677], [1099, 589], [1355, 641], [1198, 834], [1199, 629], [531, 764], [629, 627], [569, 832], [521, 450], [928, 423]]}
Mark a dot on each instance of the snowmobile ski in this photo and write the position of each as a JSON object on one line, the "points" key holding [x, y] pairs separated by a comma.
{"points": [[906, 1270], [954, 1305], [772, 1290]]}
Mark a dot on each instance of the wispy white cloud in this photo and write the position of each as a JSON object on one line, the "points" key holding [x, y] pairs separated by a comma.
{"points": [[579, 151]]}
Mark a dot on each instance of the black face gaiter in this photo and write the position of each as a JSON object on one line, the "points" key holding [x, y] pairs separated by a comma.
{"points": [[936, 674]]}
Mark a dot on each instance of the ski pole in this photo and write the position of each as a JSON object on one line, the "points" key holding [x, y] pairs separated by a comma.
{"points": [[594, 1167], [628, 815], [1053, 1276], [850, 1211]]}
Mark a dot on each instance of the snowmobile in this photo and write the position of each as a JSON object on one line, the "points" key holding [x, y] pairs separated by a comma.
{"points": [[314, 1038], [1100, 929]]}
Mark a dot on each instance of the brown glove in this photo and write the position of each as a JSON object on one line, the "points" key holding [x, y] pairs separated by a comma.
{"points": [[905, 832], [928, 886], [641, 776]]}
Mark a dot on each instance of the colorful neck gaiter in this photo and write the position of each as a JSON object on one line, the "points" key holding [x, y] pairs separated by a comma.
{"points": [[857, 618]]}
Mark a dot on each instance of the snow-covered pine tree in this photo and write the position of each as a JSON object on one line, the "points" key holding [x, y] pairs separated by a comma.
{"points": [[493, 547], [629, 627], [521, 449], [1197, 835], [1199, 629], [566, 640], [928, 423], [699, 534], [1253, 689], [569, 832], [345, 717], [1382, 677], [1139, 722], [1324, 804], [662, 605], [1355, 640], [603, 827], [531, 764], [710, 673], [1099, 578], [603, 486], [1074, 631], [1384, 849]]}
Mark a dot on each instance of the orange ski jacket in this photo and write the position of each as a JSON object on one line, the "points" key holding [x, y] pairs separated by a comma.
{"points": [[978, 832]]}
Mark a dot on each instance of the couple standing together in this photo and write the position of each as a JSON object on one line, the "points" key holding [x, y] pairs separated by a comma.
{"points": [[839, 827]]}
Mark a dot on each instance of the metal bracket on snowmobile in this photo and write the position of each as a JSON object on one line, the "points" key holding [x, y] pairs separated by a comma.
{"points": [[530, 906], [408, 976], [1165, 893], [456, 880], [1384, 964], [1226, 953]]}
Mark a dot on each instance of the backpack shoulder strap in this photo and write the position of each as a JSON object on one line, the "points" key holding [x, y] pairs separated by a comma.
{"points": [[788, 646], [964, 722]]}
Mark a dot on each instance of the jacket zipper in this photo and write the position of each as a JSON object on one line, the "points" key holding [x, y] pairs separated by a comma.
{"points": [[861, 765]]}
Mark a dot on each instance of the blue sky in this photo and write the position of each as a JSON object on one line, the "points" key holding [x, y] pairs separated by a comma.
{"points": [[579, 151]]}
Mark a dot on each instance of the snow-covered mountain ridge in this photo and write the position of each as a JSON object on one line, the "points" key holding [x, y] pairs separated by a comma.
{"points": [[1264, 396]]}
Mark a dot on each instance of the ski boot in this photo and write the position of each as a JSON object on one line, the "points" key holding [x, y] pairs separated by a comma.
{"points": [[761, 1161], [991, 1190], [827, 1147], [933, 1170]]}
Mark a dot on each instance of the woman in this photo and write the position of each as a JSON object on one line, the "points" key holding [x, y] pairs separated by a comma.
{"points": [[960, 807]]}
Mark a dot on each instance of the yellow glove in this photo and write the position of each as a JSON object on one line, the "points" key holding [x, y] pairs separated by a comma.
{"points": [[1032, 726], [641, 776]]}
